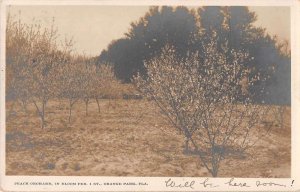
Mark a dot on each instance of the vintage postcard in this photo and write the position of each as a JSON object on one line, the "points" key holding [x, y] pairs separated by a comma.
{"points": [[150, 95]]}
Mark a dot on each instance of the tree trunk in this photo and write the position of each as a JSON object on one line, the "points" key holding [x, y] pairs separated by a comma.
{"points": [[108, 103], [43, 121], [214, 172], [86, 106], [70, 110], [186, 147], [43, 114], [98, 104], [24, 105]]}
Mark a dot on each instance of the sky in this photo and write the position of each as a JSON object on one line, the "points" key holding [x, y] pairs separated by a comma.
{"points": [[94, 27]]}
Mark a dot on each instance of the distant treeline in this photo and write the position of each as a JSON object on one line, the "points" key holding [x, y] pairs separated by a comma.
{"points": [[187, 29]]}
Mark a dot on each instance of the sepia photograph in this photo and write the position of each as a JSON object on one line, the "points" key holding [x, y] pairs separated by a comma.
{"points": [[148, 91]]}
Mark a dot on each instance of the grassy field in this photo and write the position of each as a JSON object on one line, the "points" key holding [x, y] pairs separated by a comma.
{"points": [[127, 138]]}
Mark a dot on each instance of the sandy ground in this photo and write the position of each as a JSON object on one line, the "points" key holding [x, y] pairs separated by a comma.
{"points": [[127, 138]]}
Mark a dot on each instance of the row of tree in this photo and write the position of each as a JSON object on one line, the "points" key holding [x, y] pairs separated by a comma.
{"points": [[39, 69], [187, 30]]}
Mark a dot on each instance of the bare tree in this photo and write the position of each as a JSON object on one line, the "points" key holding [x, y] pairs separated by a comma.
{"points": [[34, 59], [18, 36], [206, 99], [108, 85], [44, 69], [99, 82], [81, 79], [88, 84], [70, 81], [87, 80], [105, 81]]}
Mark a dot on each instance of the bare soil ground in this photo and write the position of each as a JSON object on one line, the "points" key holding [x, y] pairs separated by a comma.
{"points": [[127, 138]]}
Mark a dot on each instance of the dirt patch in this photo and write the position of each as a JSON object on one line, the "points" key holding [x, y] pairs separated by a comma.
{"points": [[127, 138]]}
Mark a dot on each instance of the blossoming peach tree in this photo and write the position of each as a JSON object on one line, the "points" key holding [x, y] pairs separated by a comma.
{"points": [[205, 97]]}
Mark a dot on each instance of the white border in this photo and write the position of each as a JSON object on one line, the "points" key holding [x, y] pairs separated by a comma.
{"points": [[158, 183]]}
